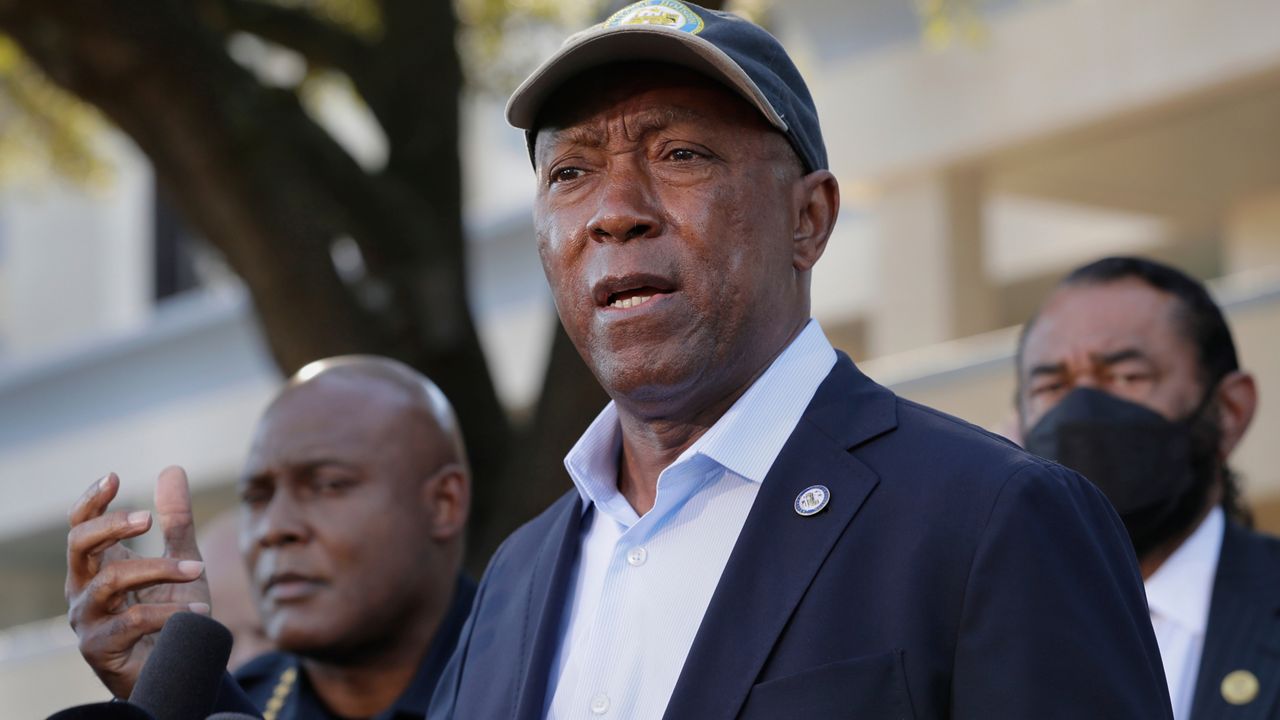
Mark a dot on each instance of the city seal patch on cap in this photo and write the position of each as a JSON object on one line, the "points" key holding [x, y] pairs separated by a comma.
{"points": [[666, 13]]}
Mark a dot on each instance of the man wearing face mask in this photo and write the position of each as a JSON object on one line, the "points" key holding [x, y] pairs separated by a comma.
{"points": [[1129, 375]]}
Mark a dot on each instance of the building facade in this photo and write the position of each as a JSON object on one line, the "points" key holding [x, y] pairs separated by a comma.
{"points": [[973, 177]]}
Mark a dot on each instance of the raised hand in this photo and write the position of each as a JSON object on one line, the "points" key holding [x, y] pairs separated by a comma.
{"points": [[118, 598]]}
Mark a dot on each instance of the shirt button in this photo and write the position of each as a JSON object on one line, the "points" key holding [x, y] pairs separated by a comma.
{"points": [[600, 704], [636, 556]]}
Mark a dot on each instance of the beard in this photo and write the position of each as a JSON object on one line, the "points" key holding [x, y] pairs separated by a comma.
{"points": [[1148, 533]]}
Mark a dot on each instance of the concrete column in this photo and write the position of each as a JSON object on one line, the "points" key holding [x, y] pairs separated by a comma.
{"points": [[1251, 237], [933, 285]]}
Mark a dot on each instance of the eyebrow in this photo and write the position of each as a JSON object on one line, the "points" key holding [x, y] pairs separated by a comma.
{"points": [[1106, 360], [1047, 369], [642, 123], [310, 466], [1119, 356]]}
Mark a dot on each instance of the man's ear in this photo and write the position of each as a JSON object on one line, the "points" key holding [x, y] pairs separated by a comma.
{"points": [[1237, 401], [818, 204], [446, 496]]}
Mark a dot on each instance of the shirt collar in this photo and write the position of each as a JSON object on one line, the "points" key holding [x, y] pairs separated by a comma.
{"points": [[593, 461], [738, 441], [1181, 588]]}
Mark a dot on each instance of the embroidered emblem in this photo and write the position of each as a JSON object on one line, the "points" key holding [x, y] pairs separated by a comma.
{"points": [[812, 500], [667, 13], [280, 694]]}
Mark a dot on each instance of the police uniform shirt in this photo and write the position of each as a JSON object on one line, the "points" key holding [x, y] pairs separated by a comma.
{"points": [[278, 686]]}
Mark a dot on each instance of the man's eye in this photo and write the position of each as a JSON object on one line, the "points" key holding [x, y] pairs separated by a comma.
{"points": [[1124, 380], [335, 485], [255, 495], [1047, 387], [683, 155], [565, 174]]}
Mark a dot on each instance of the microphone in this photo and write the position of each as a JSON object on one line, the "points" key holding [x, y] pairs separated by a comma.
{"points": [[103, 711], [180, 680], [230, 716]]}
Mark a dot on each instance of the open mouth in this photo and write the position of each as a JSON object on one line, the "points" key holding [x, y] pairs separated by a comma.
{"points": [[634, 298], [631, 291]]}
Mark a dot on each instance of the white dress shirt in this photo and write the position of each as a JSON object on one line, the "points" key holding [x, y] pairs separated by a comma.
{"points": [[642, 584], [1178, 594]]}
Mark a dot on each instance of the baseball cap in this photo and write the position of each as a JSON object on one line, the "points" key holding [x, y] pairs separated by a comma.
{"points": [[740, 54]]}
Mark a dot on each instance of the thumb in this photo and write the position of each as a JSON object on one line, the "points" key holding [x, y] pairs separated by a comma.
{"points": [[173, 510]]}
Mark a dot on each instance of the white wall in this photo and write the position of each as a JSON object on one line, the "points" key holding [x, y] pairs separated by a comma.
{"points": [[75, 261]]}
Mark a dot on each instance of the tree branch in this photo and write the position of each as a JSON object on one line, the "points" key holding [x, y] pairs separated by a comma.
{"points": [[322, 43], [272, 190]]}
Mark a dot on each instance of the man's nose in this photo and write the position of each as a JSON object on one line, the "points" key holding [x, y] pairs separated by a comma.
{"points": [[1086, 380], [628, 210], [1088, 377], [1082, 371]]}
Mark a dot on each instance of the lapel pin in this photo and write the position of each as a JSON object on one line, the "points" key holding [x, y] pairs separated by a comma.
{"points": [[1239, 687], [812, 499]]}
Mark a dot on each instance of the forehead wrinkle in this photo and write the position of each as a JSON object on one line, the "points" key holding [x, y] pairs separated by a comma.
{"points": [[583, 135], [635, 125], [654, 120]]}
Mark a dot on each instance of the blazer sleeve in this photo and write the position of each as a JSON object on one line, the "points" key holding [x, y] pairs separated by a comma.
{"points": [[1055, 621], [444, 699]]}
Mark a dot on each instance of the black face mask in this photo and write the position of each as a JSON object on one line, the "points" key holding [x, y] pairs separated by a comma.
{"points": [[1156, 472]]}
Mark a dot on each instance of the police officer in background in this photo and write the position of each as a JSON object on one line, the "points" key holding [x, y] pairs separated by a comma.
{"points": [[1129, 375], [353, 502]]}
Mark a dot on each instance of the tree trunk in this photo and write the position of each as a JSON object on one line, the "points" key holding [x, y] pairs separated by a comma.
{"points": [[273, 191]]}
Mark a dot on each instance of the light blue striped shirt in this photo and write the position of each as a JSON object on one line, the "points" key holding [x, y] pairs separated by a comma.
{"points": [[643, 584]]}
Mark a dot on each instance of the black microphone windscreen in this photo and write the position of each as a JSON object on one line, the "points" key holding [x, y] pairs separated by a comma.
{"points": [[180, 680], [231, 716], [104, 711]]}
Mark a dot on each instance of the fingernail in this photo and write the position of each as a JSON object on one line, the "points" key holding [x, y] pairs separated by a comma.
{"points": [[102, 482], [192, 568], [201, 608], [139, 517]]}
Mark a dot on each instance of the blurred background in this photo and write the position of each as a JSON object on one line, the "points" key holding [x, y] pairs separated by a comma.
{"points": [[199, 196]]}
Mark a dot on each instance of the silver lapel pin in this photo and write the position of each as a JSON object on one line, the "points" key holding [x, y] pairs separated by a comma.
{"points": [[812, 500]]}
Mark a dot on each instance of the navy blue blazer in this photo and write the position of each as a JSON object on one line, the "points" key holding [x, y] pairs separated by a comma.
{"points": [[951, 576], [1244, 628]]}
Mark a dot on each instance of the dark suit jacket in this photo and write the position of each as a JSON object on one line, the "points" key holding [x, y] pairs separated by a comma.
{"points": [[951, 576], [1244, 628]]}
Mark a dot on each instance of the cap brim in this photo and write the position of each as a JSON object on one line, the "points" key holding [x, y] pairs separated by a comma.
{"points": [[600, 46]]}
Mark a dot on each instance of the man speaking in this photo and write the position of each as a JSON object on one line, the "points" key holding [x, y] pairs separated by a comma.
{"points": [[757, 530]]}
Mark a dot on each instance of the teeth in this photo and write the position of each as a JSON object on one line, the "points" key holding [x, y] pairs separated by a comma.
{"points": [[631, 302]]}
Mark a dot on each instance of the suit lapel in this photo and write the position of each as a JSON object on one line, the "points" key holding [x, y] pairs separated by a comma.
{"points": [[548, 591], [1243, 633], [779, 552]]}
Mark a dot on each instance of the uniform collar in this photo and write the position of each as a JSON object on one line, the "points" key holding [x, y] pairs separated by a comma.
{"points": [[413, 702], [304, 704]]}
